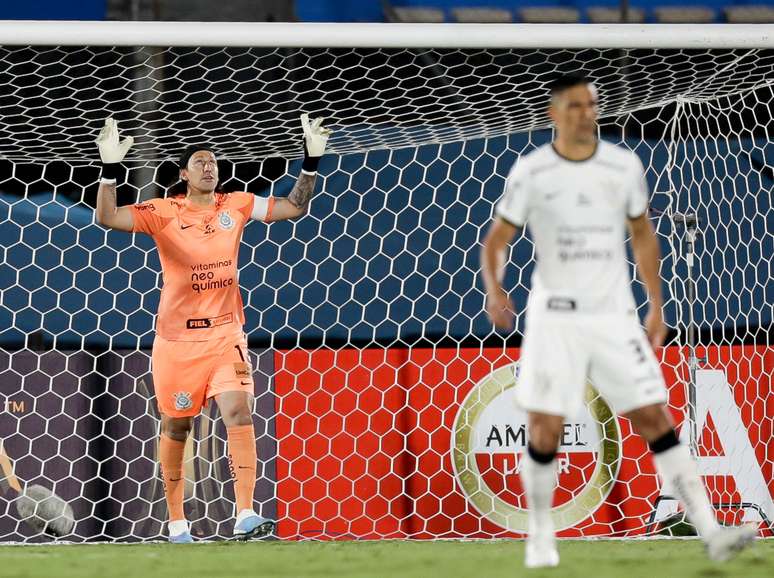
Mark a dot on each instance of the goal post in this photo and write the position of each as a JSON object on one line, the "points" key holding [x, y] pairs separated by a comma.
{"points": [[382, 392]]}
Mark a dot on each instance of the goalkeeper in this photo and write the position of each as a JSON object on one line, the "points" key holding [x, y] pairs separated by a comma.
{"points": [[200, 350]]}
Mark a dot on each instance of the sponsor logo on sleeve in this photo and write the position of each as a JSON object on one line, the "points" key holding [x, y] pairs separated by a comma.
{"points": [[145, 207]]}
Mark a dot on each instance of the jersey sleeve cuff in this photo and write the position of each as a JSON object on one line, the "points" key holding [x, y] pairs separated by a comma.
{"points": [[269, 209], [510, 221]]}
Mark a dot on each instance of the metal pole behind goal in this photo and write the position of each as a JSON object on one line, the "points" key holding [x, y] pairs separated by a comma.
{"points": [[689, 223]]}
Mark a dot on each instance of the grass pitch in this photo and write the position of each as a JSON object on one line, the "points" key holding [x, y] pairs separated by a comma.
{"points": [[485, 559]]}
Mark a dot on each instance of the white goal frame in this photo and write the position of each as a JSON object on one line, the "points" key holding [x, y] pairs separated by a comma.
{"points": [[384, 35], [619, 38]]}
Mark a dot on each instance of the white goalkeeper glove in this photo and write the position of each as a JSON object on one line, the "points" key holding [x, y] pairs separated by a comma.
{"points": [[315, 139], [111, 151]]}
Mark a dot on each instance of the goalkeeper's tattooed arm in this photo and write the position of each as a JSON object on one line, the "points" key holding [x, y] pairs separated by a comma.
{"points": [[297, 202], [112, 152], [301, 194]]}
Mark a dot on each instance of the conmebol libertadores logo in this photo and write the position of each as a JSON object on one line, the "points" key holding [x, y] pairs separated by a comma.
{"points": [[490, 434]]}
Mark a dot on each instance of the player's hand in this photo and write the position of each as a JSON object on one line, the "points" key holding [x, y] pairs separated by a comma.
{"points": [[500, 310], [315, 139], [111, 151], [655, 328]]}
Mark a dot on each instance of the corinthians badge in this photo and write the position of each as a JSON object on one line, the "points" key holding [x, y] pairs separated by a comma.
{"points": [[225, 221], [182, 400]]}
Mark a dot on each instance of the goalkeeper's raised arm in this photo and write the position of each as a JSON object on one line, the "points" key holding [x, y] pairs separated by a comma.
{"points": [[297, 202], [111, 153], [199, 178]]}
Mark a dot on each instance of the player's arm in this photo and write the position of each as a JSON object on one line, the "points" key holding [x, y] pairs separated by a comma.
{"points": [[296, 204], [647, 255], [112, 152], [107, 213], [499, 307], [511, 211]]}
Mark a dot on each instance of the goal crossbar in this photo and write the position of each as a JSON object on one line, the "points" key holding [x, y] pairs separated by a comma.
{"points": [[384, 35]]}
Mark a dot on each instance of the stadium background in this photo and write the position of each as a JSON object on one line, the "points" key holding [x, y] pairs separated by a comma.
{"points": [[369, 257], [339, 10]]}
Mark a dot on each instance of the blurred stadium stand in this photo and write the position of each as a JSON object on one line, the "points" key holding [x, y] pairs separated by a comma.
{"points": [[175, 10], [492, 15], [54, 10], [416, 14], [752, 14], [199, 10], [484, 11], [684, 14], [613, 14], [488, 11], [549, 15]]}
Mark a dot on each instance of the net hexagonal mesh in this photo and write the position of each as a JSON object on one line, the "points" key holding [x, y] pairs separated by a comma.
{"points": [[381, 389]]}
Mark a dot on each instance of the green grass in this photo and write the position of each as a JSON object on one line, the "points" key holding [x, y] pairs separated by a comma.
{"points": [[490, 559]]}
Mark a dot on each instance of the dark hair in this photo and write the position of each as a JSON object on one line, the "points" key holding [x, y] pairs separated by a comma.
{"points": [[565, 81], [189, 151], [180, 187]]}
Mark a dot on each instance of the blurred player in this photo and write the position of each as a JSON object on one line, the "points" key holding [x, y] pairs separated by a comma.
{"points": [[578, 194], [200, 350]]}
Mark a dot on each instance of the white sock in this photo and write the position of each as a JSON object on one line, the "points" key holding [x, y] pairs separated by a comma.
{"points": [[678, 470], [539, 481], [177, 527]]}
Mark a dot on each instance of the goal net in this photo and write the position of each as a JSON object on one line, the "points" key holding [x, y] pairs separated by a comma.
{"points": [[382, 392]]}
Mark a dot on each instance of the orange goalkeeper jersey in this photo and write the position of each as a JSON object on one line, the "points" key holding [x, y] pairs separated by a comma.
{"points": [[198, 249]]}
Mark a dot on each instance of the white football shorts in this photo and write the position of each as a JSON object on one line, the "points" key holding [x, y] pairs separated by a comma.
{"points": [[563, 350]]}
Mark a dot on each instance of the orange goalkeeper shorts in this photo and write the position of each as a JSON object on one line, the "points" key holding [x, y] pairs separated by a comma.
{"points": [[186, 374]]}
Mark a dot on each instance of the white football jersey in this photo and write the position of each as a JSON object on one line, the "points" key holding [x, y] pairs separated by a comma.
{"points": [[577, 214]]}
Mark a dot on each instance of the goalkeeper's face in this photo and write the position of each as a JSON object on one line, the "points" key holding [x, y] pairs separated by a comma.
{"points": [[201, 172], [574, 112]]}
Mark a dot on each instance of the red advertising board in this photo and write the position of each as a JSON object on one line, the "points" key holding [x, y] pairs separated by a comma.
{"points": [[366, 445]]}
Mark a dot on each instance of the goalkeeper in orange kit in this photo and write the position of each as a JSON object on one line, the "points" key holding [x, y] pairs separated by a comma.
{"points": [[200, 350]]}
